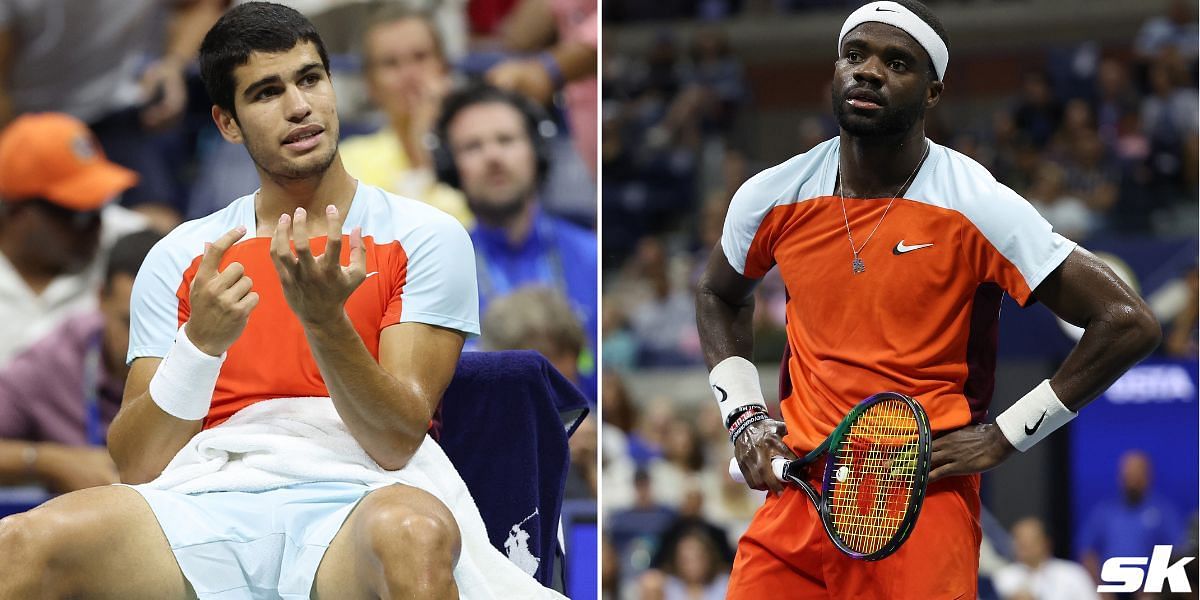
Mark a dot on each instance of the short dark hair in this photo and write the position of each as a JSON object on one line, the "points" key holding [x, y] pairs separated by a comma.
{"points": [[930, 19], [250, 27], [127, 255]]}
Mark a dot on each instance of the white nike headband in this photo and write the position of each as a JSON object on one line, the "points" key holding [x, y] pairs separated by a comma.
{"points": [[895, 15]]}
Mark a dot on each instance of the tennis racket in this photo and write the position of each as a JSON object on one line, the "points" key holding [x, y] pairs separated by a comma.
{"points": [[876, 470]]}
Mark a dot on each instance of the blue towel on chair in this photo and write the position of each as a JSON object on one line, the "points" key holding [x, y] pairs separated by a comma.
{"points": [[504, 422]]}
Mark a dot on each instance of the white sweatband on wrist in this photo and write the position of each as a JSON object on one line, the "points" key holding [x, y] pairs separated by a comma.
{"points": [[1033, 417], [734, 383], [890, 13], [184, 382]]}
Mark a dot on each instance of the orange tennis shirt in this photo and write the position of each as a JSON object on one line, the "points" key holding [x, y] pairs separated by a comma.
{"points": [[420, 268], [922, 319]]}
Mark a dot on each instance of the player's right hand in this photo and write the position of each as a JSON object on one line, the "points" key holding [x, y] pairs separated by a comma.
{"points": [[221, 301], [754, 449]]}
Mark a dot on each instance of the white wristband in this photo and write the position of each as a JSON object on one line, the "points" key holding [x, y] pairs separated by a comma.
{"points": [[1033, 417], [184, 382], [734, 383]]}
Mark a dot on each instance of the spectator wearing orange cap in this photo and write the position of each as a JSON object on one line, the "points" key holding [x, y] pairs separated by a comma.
{"points": [[55, 222]]}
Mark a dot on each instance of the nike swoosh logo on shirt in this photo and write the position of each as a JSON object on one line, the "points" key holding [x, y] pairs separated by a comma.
{"points": [[881, 9], [371, 273], [902, 249]]}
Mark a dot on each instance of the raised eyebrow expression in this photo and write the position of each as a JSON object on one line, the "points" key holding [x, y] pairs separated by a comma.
{"points": [[252, 91]]}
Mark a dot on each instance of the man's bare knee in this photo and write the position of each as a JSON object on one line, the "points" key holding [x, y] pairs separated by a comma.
{"points": [[400, 531], [27, 545], [416, 546]]}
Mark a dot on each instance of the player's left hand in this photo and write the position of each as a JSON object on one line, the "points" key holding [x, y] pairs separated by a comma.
{"points": [[316, 287], [972, 449]]}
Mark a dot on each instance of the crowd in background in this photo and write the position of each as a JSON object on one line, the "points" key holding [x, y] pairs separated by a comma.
{"points": [[111, 89], [1103, 141]]}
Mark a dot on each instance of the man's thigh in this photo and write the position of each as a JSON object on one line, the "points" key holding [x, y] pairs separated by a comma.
{"points": [[351, 567], [782, 553], [787, 550], [102, 542]]}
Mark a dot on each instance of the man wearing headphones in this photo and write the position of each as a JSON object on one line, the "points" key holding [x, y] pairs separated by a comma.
{"points": [[492, 146]]}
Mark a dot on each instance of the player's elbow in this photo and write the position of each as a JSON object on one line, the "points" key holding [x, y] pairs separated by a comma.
{"points": [[394, 456], [136, 474], [1139, 329]]}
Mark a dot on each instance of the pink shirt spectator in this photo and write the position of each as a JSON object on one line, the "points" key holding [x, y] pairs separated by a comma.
{"points": [[42, 395], [577, 22]]}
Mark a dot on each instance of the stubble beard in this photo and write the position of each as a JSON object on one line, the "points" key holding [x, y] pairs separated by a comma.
{"points": [[287, 170], [895, 120], [500, 214]]}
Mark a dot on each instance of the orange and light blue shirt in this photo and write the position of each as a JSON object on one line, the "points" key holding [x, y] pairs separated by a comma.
{"points": [[420, 268], [922, 319]]}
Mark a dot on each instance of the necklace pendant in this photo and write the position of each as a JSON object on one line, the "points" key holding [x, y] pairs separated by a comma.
{"points": [[858, 266]]}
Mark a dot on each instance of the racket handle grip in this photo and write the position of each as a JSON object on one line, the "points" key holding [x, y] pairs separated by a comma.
{"points": [[777, 465]]}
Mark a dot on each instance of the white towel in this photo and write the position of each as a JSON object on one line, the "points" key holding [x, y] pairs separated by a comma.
{"points": [[281, 442]]}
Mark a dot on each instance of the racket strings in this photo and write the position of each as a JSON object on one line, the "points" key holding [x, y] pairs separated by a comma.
{"points": [[874, 475]]}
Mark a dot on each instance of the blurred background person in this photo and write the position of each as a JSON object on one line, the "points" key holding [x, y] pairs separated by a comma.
{"points": [[1036, 574], [694, 569], [491, 148], [117, 65], [407, 75], [1133, 523], [539, 318], [56, 224], [563, 36], [536, 317], [58, 396]]}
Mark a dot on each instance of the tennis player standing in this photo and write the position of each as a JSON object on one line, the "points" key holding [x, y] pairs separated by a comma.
{"points": [[895, 252]]}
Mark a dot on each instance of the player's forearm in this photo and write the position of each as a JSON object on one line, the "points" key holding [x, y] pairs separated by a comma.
{"points": [[143, 438], [1112, 343], [16, 462], [387, 418], [726, 328]]}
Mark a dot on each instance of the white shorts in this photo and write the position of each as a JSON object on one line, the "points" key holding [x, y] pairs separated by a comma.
{"points": [[239, 545]]}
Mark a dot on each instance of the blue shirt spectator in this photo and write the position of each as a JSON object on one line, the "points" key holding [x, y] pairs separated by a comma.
{"points": [[1117, 528], [493, 147], [1132, 524], [556, 252]]}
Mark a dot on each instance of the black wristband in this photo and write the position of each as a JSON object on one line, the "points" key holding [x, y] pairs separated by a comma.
{"points": [[748, 420], [741, 412]]}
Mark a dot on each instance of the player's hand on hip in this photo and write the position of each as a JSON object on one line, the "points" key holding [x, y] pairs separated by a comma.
{"points": [[754, 449], [221, 301], [316, 287], [971, 449]]}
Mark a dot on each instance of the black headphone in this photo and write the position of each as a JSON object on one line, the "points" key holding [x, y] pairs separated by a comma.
{"points": [[538, 126]]}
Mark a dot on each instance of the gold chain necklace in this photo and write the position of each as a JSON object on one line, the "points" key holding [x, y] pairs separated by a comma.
{"points": [[857, 265]]}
